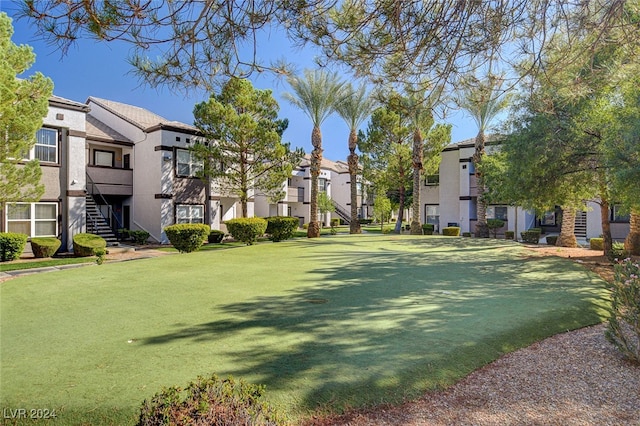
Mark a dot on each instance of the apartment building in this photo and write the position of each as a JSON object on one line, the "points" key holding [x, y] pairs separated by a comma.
{"points": [[450, 198], [334, 180], [60, 149]]}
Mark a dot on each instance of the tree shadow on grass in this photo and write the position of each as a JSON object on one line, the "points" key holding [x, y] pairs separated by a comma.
{"points": [[387, 324]]}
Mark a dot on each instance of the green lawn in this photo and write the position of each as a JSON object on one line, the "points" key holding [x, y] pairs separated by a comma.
{"points": [[335, 322]]}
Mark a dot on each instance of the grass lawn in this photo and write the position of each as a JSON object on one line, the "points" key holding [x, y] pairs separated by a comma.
{"points": [[326, 323]]}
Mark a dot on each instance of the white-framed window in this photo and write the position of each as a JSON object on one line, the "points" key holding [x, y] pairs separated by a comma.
{"points": [[497, 212], [103, 158], [33, 219], [432, 180], [322, 184], [186, 163], [189, 213], [46, 147], [432, 215]]}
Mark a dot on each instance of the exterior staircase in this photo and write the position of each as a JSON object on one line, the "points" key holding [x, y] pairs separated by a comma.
{"points": [[580, 229], [342, 213], [97, 224]]}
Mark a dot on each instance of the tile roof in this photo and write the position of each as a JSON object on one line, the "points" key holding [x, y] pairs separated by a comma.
{"points": [[336, 166], [139, 117], [67, 103], [97, 130]]}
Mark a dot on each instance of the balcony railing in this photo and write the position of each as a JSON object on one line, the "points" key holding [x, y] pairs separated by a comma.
{"points": [[110, 181]]}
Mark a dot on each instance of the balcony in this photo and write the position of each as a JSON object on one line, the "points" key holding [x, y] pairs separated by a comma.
{"points": [[295, 195], [109, 180]]}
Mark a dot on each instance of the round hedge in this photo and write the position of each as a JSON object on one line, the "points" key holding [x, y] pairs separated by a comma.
{"points": [[247, 229], [282, 227], [187, 237], [45, 246], [11, 245], [85, 245]]}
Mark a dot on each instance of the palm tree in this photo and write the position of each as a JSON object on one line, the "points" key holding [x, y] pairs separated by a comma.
{"points": [[317, 95], [483, 100], [354, 108], [419, 112], [632, 242]]}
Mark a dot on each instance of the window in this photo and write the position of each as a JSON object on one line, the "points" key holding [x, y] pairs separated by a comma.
{"points": [[322, 185], [432, 180], [432, 214], [548, 219], [33, 219], [497, 212], [187, 164], [472, 168], [46, 146], [186, 213], [103, 158], [617, 216]]}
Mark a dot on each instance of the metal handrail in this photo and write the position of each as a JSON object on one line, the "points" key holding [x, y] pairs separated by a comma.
{"points": [[342, 212], [112, 217]]}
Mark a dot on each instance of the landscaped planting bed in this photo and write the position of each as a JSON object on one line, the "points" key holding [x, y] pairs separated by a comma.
{"points": [[324, 323]]}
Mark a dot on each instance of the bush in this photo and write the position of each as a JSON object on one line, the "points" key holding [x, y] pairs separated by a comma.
{"points": [[466, 234], [451, 231], [283, 227], [623, 328], [365, 221], [334, 222], [210, 401], [11, 245], [100, 255], [139, 236], [247, 229], [215, 236], [509, 235], [85, 245], [531, 236], [595, 243], [45, 246], [552, 240], [494, 225], [428, 228], [617, 252], [187, 237]]}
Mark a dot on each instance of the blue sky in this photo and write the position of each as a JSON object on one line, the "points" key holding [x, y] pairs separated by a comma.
{"points": [[100, 69]]}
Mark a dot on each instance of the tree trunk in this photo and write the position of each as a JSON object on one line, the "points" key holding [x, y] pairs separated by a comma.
{"points": [[606, 226], [352, 161], [482, 230], [416, 226], [632, 242], [567, 236], [316, 160], [401, 195]]}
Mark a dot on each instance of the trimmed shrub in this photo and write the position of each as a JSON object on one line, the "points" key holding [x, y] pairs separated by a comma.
{"points": [[334, 222], [366, 221], [466, 234], [623, 328], [617, 252], [552, 240], [215, 236], [247, 229], [531, 236], [451, 231], [45, 246], [428, 228], [100, 256], [210, 401], [494, 225], [282, 227], [595, 243], [11, 245], [85, 245], [139, 236], [509, 235], [187, 237]]}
